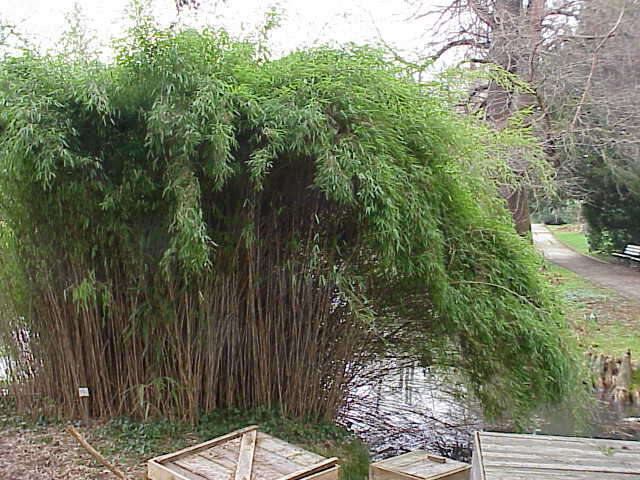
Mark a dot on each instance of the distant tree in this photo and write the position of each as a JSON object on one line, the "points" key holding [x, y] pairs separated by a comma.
{"points": [[507, 36], [594, 111], [577, 57]]}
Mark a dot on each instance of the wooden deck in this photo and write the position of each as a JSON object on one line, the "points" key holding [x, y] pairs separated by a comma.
{"points": [[500, 456]]}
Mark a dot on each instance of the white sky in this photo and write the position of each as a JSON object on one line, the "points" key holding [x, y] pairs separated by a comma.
{"points": [[305, 22]]}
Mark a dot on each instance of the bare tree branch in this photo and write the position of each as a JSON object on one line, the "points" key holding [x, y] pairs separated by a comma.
{"points": [[469, 42], [593, 68], [483, 14]]}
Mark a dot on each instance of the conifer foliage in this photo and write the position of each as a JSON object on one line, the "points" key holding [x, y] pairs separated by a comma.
{"points": [[192, 227]]}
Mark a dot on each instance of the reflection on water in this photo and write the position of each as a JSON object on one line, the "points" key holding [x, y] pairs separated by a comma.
{"points": [[397, 408], [4, 368]]}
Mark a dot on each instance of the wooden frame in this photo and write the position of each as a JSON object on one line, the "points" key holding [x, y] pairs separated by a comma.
{"points": [[414, 466], [167, 467]]}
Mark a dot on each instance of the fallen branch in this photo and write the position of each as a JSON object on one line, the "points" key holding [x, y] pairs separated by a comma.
{"points": [[95, 454]]}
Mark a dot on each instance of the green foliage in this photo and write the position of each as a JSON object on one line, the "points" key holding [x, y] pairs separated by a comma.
{"points": [[192, 203], [612, 206], [124, 436], [301, 431]]}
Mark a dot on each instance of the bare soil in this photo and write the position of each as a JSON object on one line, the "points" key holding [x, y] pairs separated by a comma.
{"points": [[50, 453]]}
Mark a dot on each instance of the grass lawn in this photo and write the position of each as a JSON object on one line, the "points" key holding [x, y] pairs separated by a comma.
{"points": [[575, 240], [603, 320]]}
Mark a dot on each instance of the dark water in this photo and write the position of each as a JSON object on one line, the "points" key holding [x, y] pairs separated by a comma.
{"points": [[396, 409]]}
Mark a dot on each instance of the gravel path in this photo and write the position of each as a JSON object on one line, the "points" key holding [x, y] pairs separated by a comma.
{"points": [[618, 277]]}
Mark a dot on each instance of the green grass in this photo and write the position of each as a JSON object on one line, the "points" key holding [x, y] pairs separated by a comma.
{"points": [[578, 241], [603, 320], [575, 240]]}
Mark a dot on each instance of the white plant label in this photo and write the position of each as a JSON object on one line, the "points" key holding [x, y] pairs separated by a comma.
{"points": [[83, 392]]}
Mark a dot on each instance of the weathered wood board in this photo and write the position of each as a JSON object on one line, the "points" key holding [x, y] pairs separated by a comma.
{"points": [[245, 454], [501, 456], [419, 465]]}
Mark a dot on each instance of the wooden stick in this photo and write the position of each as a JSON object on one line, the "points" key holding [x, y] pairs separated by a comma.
{"points": [[95, 454], [245, 456]]}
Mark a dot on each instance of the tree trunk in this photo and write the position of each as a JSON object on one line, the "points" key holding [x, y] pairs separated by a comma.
{"points": [[516, 31]]}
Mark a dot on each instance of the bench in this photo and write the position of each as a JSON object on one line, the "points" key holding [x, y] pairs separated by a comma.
{"points": [[631, 252]]}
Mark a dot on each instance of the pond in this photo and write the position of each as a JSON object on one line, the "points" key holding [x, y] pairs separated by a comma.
{"points": [[395, 409]]}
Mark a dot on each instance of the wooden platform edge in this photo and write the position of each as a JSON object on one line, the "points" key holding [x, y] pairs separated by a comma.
{"points": [[332, 473], [394, 472], [157, 471], [203, 446], [477, 452], [412, 452], [312, 469], [462, 468], [452, 472]]}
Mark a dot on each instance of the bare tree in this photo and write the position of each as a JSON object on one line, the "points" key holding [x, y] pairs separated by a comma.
{"points": [[512, 35], [592, 80]]}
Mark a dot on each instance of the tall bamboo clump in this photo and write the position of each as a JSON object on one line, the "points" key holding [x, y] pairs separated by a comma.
{"points": [[190, 228]]}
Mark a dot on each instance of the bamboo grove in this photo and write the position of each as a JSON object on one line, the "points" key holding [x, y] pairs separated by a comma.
{"points": [[190, 227]]}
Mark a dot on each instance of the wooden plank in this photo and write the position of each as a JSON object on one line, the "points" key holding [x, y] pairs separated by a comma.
{"points": [[331, 474], [318, 467], [552, 438], [583, 451], [569, 445], [530, 474], [229, 458], [417, 471], [435, 470], [245, 456], [199, 465], [205, 445], [277, 462], [293, 453], [593, 461], [479, 471], [566, 468], [421, 463], [262, 459], [186, 474], [401, 461], [391, 473], [157, 471], [268, 464]]}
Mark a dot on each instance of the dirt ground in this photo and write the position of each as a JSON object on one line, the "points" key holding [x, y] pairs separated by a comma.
{"points": [[50, 453]]}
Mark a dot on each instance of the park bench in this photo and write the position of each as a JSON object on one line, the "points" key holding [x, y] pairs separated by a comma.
{"points": [[631, 252]]}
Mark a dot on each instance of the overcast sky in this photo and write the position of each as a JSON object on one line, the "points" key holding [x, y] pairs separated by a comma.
{"points": [[304, 22]]}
